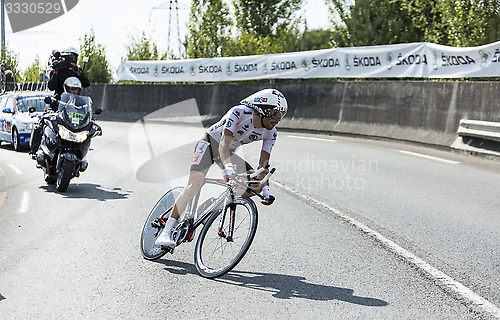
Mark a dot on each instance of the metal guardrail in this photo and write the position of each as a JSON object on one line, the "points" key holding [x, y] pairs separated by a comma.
{"points": [[479, 129]]}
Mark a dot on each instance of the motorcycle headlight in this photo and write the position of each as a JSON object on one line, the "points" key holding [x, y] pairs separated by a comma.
{"points": [[66, 134], [28, 126]]}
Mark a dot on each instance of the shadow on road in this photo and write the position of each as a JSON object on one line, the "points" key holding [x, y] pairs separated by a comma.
{"points": [[281, 286], [89, 191]]}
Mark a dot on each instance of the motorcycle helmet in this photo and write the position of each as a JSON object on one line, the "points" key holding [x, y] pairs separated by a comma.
{"points": [[268, 103], [72, 83], [70, 53]]}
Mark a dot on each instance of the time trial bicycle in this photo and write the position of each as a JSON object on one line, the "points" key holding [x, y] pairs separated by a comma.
{"points": [[229, 224]]}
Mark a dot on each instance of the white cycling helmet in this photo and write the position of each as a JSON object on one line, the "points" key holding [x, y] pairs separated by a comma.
{"points": [[72, 83], [71, 52], [268, 103]]}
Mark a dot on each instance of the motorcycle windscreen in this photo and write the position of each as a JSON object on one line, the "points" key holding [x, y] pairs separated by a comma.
{"points": [[75, 110]]}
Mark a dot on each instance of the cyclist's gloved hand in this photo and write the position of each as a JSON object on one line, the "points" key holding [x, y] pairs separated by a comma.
{"points": [[228, 173], [269, 198]]}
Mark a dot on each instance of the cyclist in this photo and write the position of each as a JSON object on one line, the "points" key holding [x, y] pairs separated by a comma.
{"points": [[254, 119]]}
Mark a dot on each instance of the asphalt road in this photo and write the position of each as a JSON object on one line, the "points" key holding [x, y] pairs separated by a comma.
{"points": [[75, 255]]}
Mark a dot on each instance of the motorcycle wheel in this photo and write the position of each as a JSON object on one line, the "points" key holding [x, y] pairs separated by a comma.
{"points": [[64, 175]]}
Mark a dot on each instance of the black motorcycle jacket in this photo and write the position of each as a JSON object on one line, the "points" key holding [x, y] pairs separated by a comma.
{"points": [[58, 76]]}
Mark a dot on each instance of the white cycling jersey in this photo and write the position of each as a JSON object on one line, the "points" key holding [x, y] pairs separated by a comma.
{"points": [[239, 120]]}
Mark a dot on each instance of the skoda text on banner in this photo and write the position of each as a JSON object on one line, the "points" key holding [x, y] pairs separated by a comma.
{"points": [[412, 60]]}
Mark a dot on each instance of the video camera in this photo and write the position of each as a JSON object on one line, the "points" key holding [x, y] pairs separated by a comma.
{"points": [[58, 61]]}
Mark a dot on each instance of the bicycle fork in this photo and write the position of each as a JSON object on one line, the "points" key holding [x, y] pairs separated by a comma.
{"points": [[232, 218]]}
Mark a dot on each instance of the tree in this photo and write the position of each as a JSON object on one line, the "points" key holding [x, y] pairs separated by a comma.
{"points": [[265, 17], [316, 39], [32, 74], [250, 43], [141, 48], [472, 22], [97, 68], [447, 22], [366, 22], [209, 29], [270, 25]]}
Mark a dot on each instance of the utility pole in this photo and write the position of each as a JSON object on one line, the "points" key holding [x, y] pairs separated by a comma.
{"points": [[171, 25], [3, 28]]}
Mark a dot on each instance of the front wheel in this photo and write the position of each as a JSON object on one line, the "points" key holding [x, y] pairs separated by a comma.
{"points": [[225, 238], [152, 228], [64, 175]]}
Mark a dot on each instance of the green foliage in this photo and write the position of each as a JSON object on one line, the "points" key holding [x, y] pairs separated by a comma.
{"points": [[472, 22], [265, 27], [316, 39], [250, 44], [97, 68], [32, 74], [11, 60], [209, 29], [446, 22], [141, 48], [265, 17]]}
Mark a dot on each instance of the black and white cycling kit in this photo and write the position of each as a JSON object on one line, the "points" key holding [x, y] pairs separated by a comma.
{"points": [[238, 120]]}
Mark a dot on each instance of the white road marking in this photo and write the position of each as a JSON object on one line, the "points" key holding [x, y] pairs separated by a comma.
{"points": [[442, 279], [311, 138], [15, 169], [428, 157], [24, 202]]}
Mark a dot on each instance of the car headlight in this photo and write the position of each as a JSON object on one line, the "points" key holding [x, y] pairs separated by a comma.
{"points": [[66, 134], [25, 127]]}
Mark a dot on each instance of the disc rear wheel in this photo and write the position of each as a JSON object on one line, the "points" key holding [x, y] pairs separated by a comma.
{"points": [[152, 227]]}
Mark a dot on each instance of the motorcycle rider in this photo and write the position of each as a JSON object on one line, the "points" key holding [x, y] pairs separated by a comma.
{"points": [[71, 85], [64, 67], [253, 119]]}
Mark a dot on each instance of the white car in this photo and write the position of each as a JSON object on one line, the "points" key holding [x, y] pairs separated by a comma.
{"points": [[16, 120]]}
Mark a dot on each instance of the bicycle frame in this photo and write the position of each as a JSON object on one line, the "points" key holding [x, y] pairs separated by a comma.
{"points": [[222, 201]]}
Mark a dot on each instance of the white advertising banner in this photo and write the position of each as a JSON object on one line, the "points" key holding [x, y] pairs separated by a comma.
{"points": [[412, 60]]}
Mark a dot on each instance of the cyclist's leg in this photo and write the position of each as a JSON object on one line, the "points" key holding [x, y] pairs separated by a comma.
{"points": [[202, 161], [194, 184]]}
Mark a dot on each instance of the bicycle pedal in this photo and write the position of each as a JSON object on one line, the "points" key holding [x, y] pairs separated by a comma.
{"points": [[167, 249]]}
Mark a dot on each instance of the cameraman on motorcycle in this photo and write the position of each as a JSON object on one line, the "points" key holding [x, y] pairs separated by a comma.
{"points": [[64, 67]]}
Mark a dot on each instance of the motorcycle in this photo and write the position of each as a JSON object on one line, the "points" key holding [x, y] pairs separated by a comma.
{"points": [[66, 139]]}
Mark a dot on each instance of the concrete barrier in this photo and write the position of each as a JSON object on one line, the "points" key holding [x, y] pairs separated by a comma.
{"points": [[421, 111]]}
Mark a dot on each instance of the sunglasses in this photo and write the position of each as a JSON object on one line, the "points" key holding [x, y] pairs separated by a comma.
{"points": [[274, 114]]}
